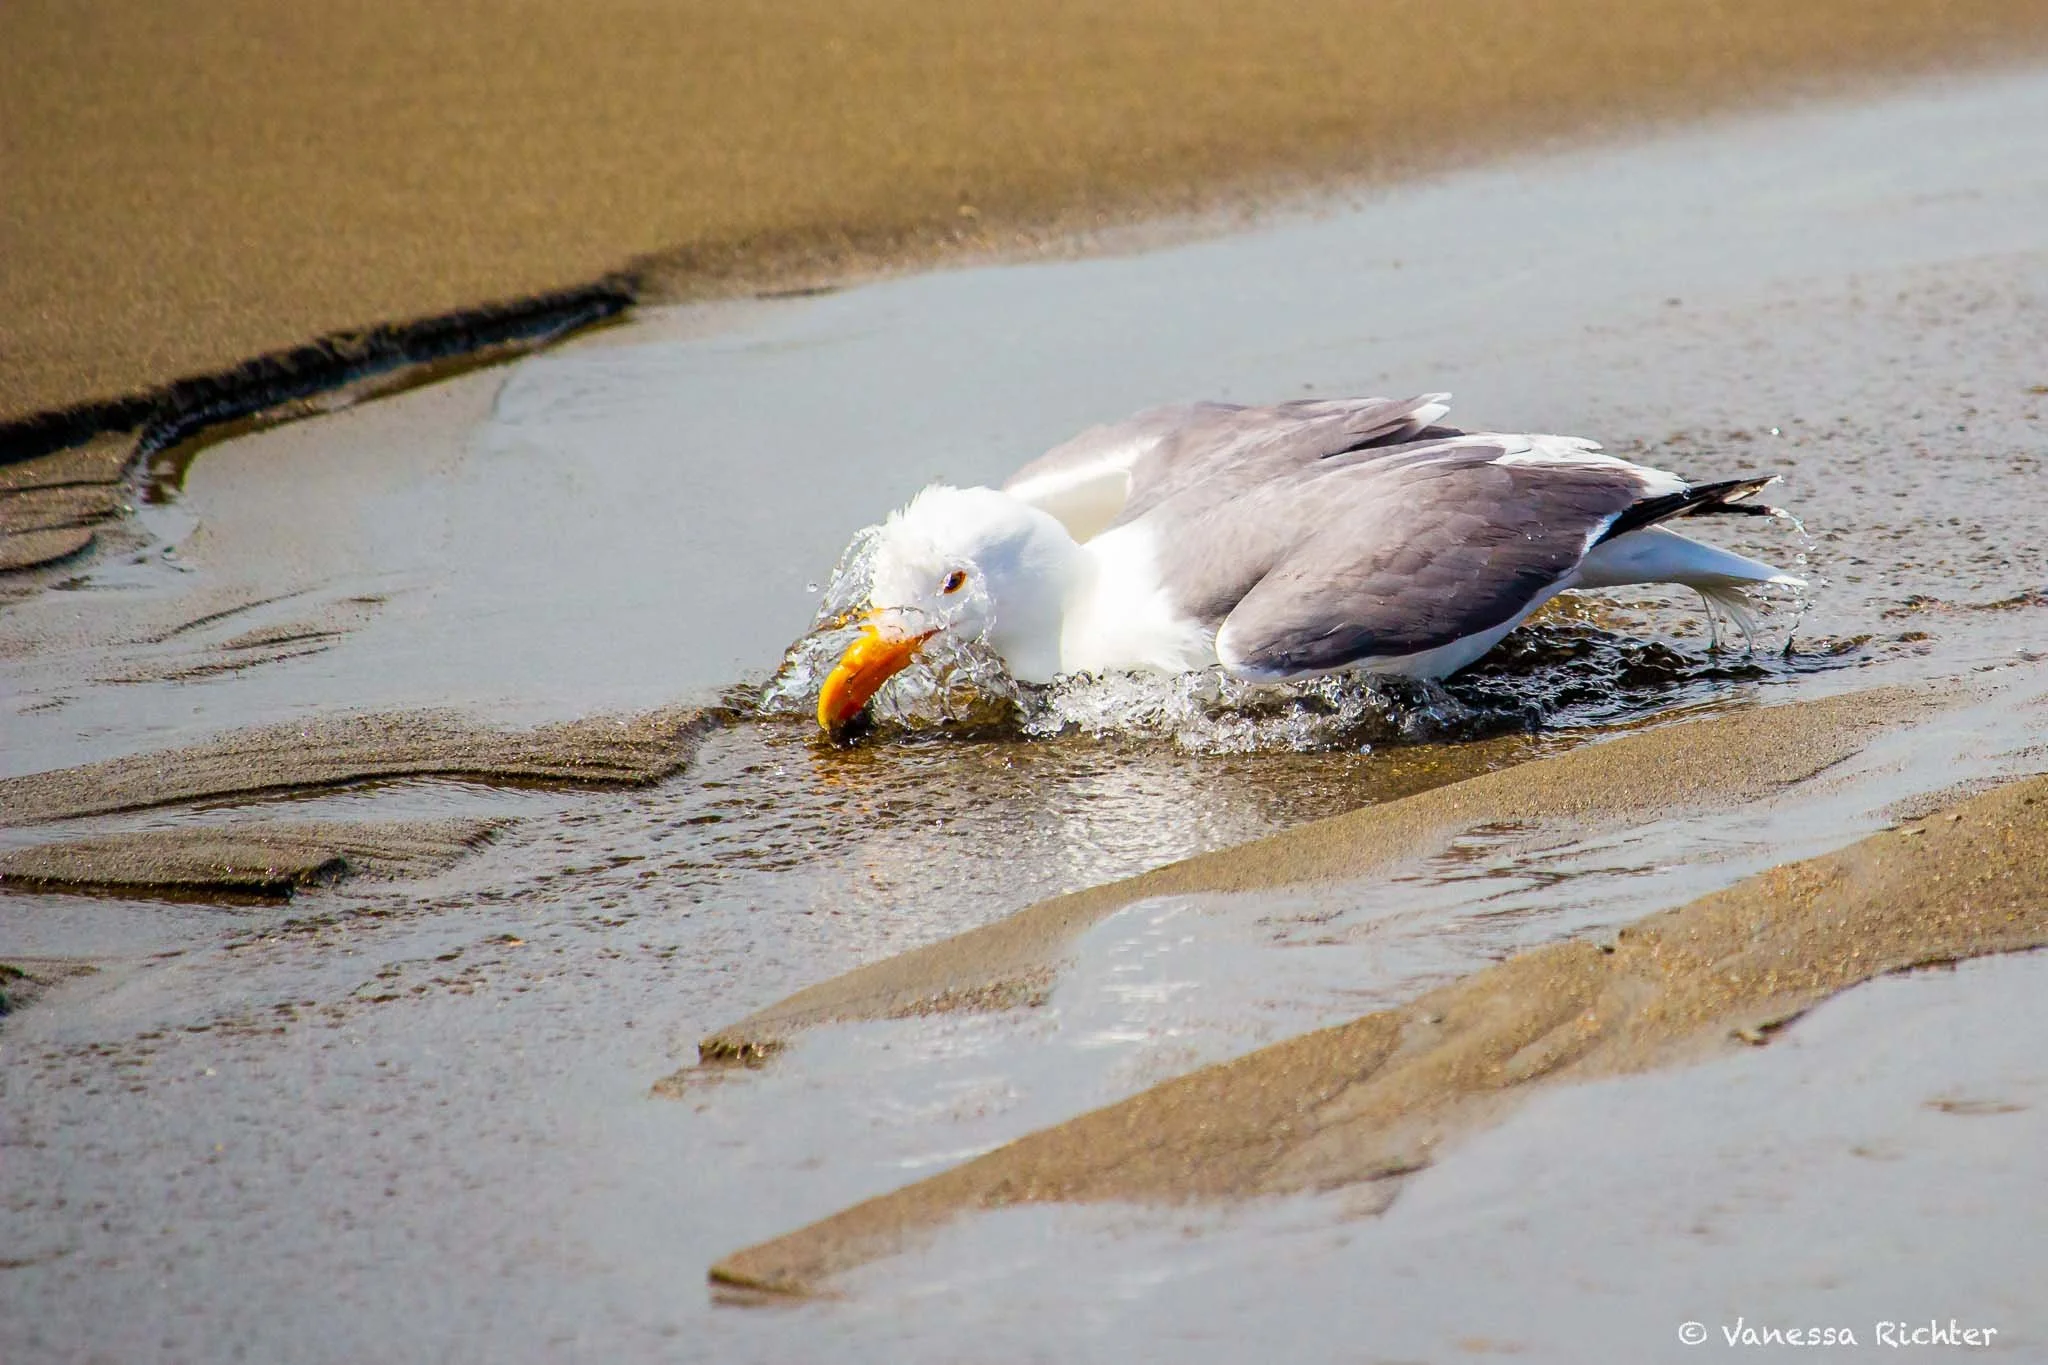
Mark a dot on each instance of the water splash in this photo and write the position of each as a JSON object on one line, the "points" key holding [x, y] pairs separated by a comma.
{"points": [[1584, 662], [1211, 712], [1814, 577], [953, 683]]}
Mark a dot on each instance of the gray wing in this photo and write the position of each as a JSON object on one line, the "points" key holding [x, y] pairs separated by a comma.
{"points": [[1118, 472], [1410, 552]]}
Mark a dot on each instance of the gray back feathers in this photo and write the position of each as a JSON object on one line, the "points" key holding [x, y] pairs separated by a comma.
{"points": [[1329, 532]]}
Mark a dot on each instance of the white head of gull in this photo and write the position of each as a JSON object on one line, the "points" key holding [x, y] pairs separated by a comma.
{"points": [[1279, 542]]}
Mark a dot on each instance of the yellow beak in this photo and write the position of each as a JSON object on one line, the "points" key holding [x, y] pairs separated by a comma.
{"points": [[869, 662]]}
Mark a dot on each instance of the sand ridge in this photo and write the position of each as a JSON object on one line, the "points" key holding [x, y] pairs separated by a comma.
{"points": [[271, 858], [1377, 1098], [1734, 756], [254, 859], [332, 751]]}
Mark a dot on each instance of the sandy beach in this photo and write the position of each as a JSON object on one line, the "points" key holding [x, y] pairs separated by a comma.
{"points": [[187, 190], [431, 926]]}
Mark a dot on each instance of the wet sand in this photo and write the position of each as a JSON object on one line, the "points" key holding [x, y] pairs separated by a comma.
{"points": [[49, 506], [1743, 755], [258, 858], [1375, 1099], [189, 190], [339, 750]]}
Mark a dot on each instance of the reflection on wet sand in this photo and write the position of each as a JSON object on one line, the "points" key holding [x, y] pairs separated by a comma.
{"points": [[1740, 754], [1373, 1100], [945, 833]]}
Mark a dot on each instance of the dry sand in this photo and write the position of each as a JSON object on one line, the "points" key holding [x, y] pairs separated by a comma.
{"points": [[1736, 756], [1375, 1098], [190, 187]]}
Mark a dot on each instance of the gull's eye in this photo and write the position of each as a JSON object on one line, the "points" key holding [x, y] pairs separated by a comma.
{"points": [[955, 581]]}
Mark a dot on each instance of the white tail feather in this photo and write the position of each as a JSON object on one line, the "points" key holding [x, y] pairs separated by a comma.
{"points": [[1655, 555]]}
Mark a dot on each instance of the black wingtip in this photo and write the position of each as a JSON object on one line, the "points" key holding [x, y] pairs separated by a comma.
{"points": [[1725, 497]]}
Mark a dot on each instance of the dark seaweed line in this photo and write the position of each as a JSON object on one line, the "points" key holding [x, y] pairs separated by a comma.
{"points": [[181, 409]]}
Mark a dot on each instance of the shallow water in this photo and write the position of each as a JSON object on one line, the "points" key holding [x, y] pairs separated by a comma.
{"points": [[1854, 297], [1876, 1167]]}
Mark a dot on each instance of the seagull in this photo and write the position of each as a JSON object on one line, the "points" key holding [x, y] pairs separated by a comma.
{"points": [[1280, 542]]}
